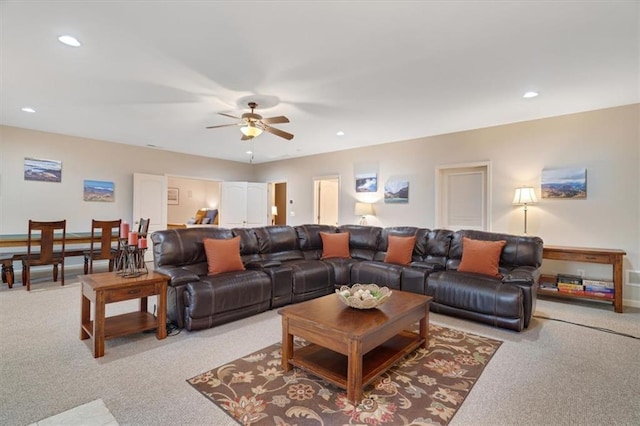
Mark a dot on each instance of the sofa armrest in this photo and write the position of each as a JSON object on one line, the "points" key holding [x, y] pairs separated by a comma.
{"points": [[522, 275], [178, 276], [262, 264]]}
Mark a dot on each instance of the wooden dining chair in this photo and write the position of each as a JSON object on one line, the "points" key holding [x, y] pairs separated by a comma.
{"points": [[143, 227], [102, 244], [41, 251]]}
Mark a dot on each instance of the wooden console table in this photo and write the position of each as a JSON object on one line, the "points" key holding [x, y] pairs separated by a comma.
{"points": [[108, 287], [588, 255]]}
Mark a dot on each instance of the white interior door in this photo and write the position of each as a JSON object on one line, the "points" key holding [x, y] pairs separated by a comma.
{"points": [[327, 195], [463, 195], [233, 205], [257, 204], [150, 201], [243, 204]]}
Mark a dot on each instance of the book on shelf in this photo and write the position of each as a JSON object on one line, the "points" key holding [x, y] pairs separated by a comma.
{"points": [[571, 291], [567, 286], [598, 289], [598, 283], [569, 279], [545, 288]]}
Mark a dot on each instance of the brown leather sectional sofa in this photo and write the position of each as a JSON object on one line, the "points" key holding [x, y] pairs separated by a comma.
{"points": [[283, 265]]}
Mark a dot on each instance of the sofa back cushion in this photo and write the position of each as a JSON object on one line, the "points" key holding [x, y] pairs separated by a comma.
{"points": [[179, 247], [249, 249], [438, 243], [363, 240], [278, 243], [520, 250], [310, 241]]}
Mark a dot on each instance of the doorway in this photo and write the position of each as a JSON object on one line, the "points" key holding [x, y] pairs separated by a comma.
{"points": [[326, 207], [278, 203], [463, 196]]}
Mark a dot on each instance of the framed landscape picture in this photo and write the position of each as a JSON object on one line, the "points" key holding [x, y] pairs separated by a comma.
{"points": [[396, 191], [42, 170], [367, 182], [98, 190], [564, 183]]}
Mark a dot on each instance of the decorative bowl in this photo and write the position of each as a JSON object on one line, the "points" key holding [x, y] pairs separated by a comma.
{"points": [[363, 296]]}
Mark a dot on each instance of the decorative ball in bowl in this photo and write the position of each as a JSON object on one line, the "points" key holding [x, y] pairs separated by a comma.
{"points": [[363, 296]]}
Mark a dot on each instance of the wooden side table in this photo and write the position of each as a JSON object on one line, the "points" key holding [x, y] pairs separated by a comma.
{"points": [[109, 287], [611, 257]]}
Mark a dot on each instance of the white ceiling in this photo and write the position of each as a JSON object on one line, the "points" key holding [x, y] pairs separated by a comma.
{"points": [[158, 72]]}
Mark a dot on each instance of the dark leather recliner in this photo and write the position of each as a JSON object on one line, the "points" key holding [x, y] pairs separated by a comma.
{"points": [[284, 266], [507, 302]]}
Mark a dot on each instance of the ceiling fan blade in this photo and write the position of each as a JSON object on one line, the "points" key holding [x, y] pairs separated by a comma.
{"points": [[224, 125], [275, 120], [278, 132], [229, 115]]}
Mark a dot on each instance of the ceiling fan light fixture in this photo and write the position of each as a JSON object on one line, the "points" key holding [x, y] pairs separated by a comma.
{"points": [[251, 130]]}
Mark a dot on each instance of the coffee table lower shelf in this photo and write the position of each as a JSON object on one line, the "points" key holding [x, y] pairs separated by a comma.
{"points": [[125, 324], [333, 366]]}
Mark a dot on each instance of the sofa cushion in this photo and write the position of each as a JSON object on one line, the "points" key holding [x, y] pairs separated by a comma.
{"points": [[481, 257], [335, 245], [475, 293], [400, 250], [223, 255]]}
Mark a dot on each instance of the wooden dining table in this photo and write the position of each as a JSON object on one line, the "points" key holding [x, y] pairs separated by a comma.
{"points": [[21, 240], [7, 257]]}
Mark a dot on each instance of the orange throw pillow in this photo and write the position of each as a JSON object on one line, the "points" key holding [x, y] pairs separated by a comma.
{"points": [[335, 245], [481, 257], [400, 250], [223, 255]]}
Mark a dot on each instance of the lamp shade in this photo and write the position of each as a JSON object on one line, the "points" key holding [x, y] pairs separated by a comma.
{"points": [[251, 130], [524, 195], [364, 209], [274, 210]]}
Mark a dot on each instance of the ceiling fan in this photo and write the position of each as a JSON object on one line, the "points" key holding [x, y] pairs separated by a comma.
{"points": [[254, 124]]}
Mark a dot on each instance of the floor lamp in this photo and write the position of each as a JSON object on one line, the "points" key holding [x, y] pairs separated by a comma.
{"points": [[274, 213], [523, 197]]}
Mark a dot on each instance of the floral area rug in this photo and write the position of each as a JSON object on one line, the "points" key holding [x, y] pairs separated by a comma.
{"points": [[425, 388]]}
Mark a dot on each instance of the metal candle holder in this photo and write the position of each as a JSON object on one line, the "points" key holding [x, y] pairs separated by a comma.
{"points": [[130, 262]]}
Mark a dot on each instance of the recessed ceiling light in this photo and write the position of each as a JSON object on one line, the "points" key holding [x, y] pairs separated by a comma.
{"points": [[249, 152], [530, 95], [28, 109], [340, 133], [69, 40]]}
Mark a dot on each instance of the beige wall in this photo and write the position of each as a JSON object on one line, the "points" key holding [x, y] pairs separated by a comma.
{"points": [[82, 159], [606, 142]]}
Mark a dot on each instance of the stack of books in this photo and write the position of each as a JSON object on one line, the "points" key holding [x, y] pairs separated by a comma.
{"points": [[570, 284], [598, 288]]}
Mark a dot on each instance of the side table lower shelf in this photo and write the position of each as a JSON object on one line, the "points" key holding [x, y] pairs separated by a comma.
{"points": [[125, 324]]}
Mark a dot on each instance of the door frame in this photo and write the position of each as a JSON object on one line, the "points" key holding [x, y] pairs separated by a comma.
{"points": [[440, 194]]}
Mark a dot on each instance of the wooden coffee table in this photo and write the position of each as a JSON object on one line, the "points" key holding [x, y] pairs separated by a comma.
{"points": [[350, 347], [110, 287]]}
